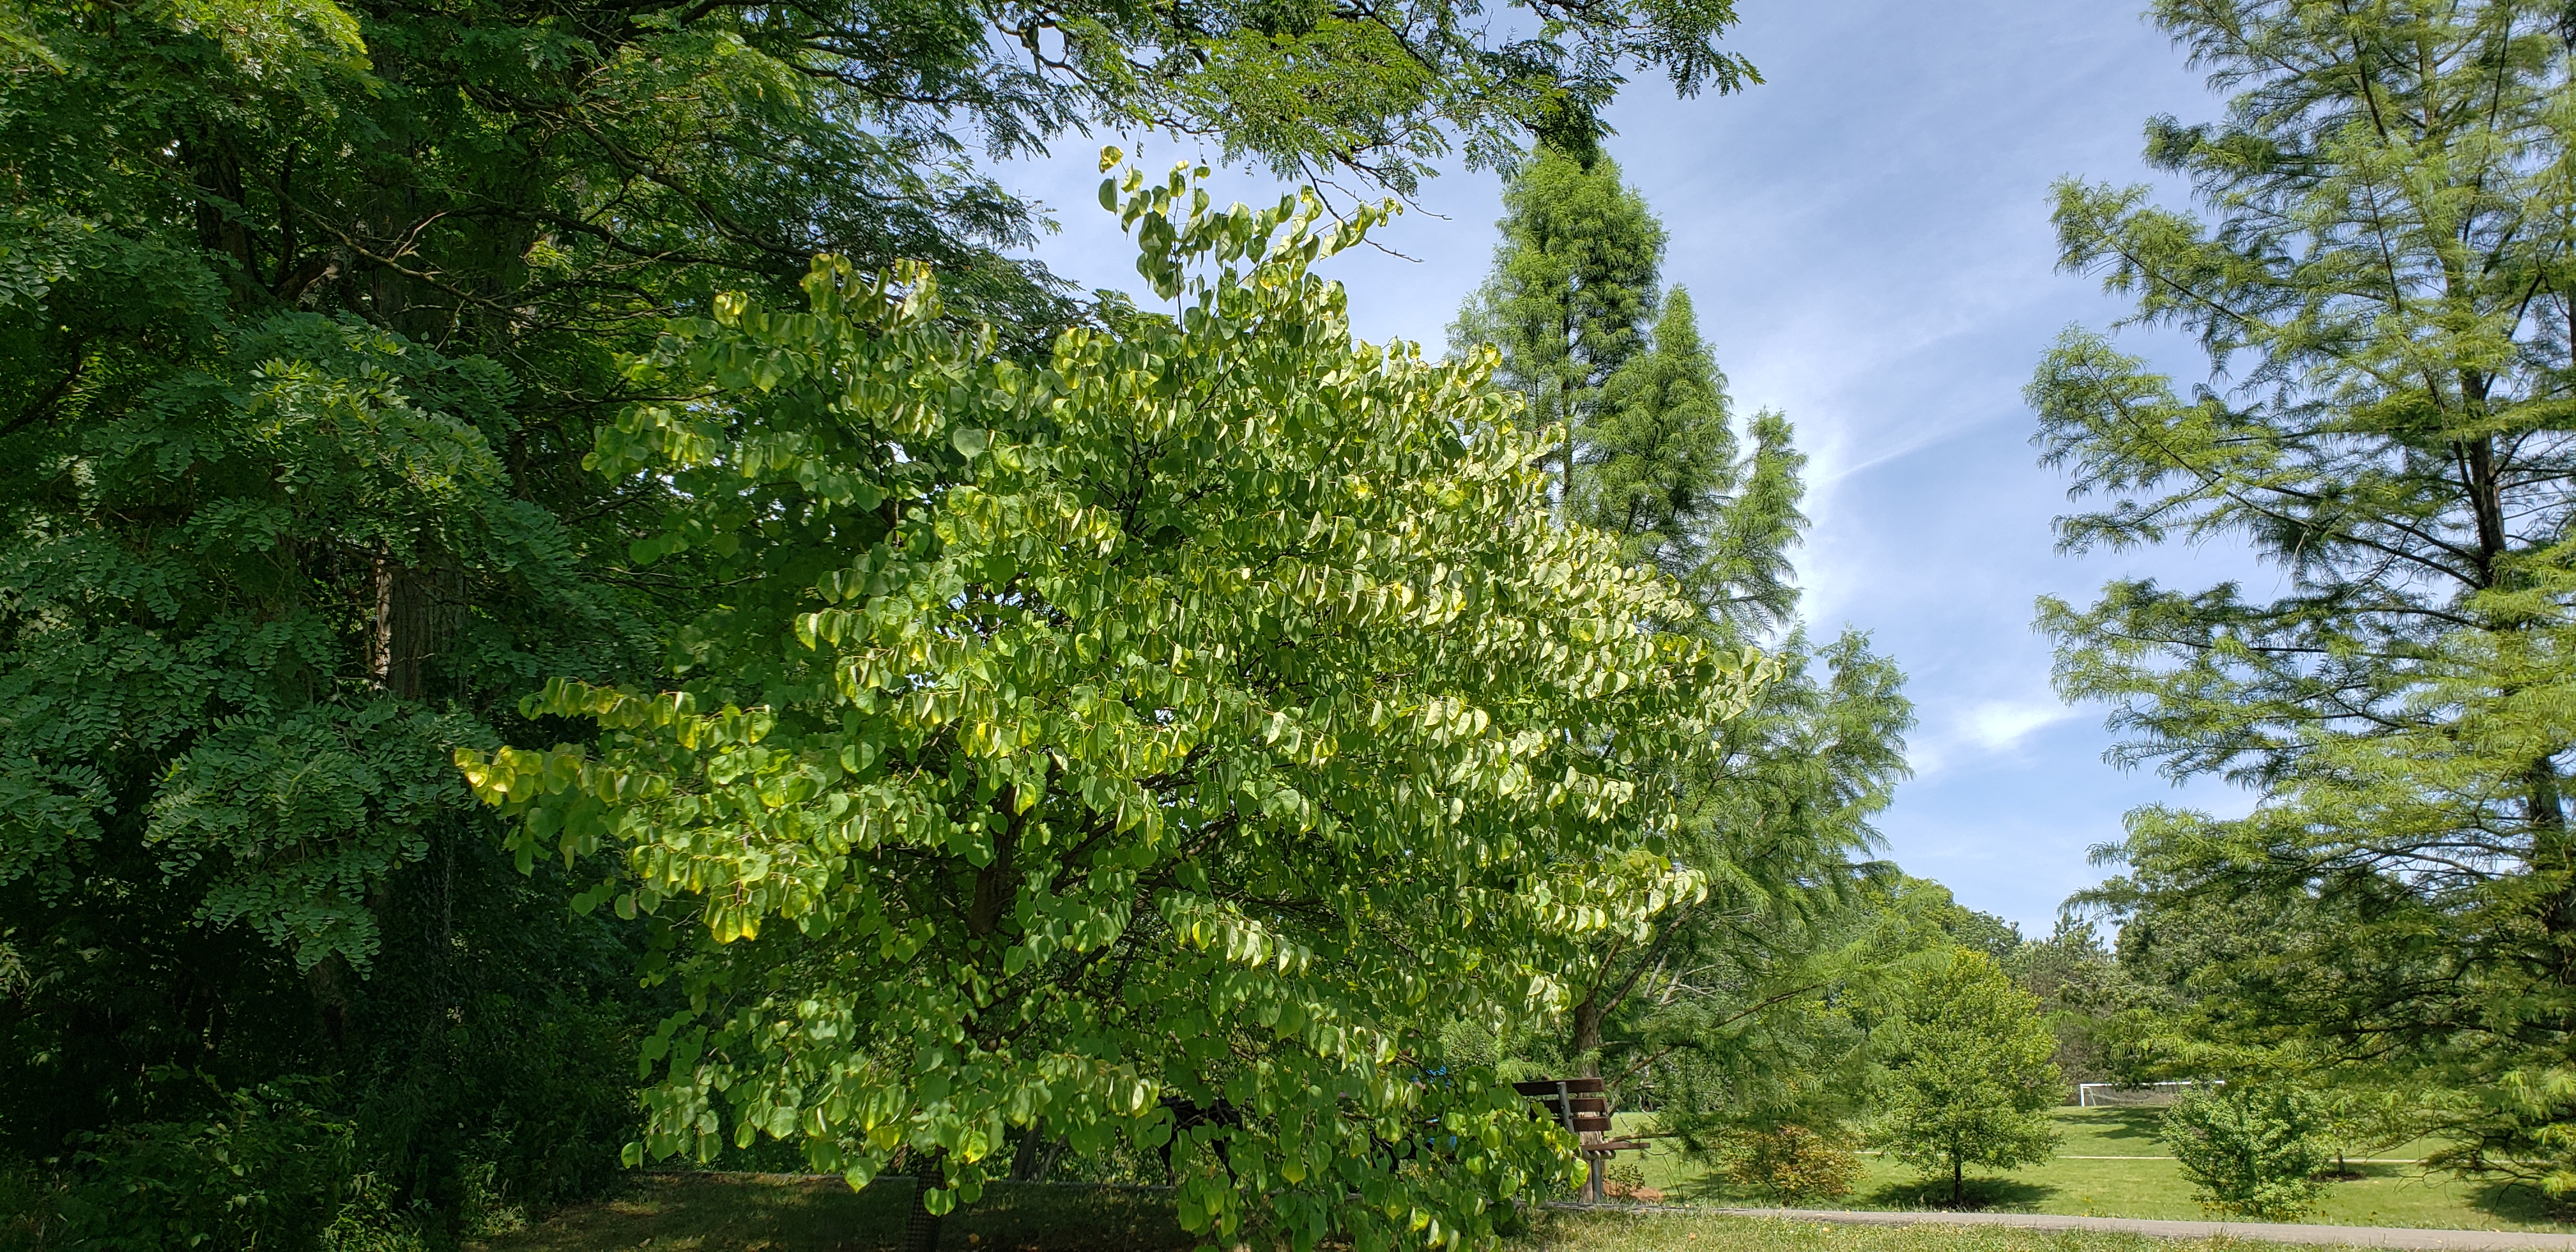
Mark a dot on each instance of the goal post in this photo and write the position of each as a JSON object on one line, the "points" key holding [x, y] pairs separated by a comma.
{"points": [[2094, 1095]]}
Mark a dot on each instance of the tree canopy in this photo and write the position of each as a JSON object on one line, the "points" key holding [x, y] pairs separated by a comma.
{"points": [[1208, 709], [309, 315], [1573, 288], [2380, 279], [1968, 1071]]}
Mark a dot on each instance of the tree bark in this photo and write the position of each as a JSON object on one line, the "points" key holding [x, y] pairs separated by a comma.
{"points": [[416, 611], [995, 886], [921, 1226], [1587, 1036]]}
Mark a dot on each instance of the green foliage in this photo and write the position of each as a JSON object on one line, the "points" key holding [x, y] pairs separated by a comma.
{"points": [[1661, 467], [308, 312], [2382, 272], [267, 1171], [31, 1206], [2114, 1022], [1718, 1007], [2251, 1151], [1210, 709], [1573, 288], [1793, 1166], [1968, 1072]]}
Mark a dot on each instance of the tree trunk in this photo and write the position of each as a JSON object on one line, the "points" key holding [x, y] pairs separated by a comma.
{"points": [[1035, 1157], [1587, 1036], [1958, 1181], [416, 611], [996, 887], [921, 1226]]}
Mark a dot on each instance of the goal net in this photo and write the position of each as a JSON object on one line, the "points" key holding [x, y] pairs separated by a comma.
{"points": [[2111, 1095]]}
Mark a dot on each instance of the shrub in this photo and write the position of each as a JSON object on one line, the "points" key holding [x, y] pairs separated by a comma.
{"points": [[30, 1200], [1626, 1180], [1792, 1164], [2253, 1152], [267, 1172]]}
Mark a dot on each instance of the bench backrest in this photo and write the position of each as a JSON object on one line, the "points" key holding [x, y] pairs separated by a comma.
{"points": [[1581, 1105]]}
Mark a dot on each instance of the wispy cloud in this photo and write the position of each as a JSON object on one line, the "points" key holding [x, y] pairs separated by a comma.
{"points": [[1984, 730], [1999, 725]]}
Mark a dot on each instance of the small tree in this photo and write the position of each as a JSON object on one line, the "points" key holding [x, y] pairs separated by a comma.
{"points": [[1968, 1072], [2251, 1151]]}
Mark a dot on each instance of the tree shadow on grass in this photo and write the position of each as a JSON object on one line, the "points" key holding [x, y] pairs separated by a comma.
{"points": [[2007, 1195], [1711, 1188], [773, 1213], [1980, 1195], [2130, 1127], [2516, 1202]]}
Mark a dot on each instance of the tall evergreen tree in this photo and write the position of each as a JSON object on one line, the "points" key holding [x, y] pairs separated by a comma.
{"points": [[1572, 291], [2386, 274], [1703, 998], [1663, 469]]}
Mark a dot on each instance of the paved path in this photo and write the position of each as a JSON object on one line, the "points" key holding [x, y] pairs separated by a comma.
{"points": [[2278, 1232], [2349, 1160]]}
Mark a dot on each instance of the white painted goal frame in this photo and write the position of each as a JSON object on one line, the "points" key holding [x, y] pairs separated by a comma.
{"points": [[2094, 1095]]}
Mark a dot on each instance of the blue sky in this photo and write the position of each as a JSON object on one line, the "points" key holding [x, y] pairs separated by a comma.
{"points": [[1866, 238]]}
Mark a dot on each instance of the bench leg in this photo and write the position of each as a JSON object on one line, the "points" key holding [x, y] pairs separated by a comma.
{"points": [[1592, 1184]]}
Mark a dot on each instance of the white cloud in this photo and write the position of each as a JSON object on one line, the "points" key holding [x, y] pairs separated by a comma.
{"points": [[1985, 729], [1997, 725]]}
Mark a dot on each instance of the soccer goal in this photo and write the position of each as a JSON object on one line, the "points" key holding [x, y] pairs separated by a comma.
{"points": [[2093, 1095]]}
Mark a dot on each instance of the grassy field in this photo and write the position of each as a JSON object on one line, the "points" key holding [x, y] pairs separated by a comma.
{"points": [[752, 1213], [745, 1213], [2141, 1185], [1683, 1232], [761, 1213]]}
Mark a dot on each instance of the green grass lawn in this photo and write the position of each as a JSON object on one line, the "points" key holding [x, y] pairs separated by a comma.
{"points": [[1690, 1232], [2385, 1194], [751, 1213], [765, 1213], [755, 1213]]}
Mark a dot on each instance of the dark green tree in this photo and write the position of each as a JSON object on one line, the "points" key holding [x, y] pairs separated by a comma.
{"points": [[1712, 1002], [1571, 295], [2383, 281], [1662, 468]]}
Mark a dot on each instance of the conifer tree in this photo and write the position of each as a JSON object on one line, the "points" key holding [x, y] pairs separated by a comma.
{"points": [[2382, 281], [1701, 1000], [1665, 472], [1571, 293]]}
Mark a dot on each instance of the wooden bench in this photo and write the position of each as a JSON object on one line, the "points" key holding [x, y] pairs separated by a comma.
{"points": [[1581, 1105]]}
